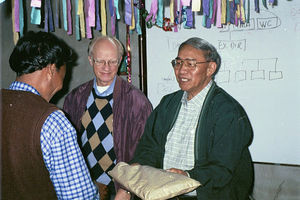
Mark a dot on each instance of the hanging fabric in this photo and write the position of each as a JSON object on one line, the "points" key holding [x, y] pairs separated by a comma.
{"points": [[153, 12], [69, 17], [48, 22], [81, 18], [112, 11], [65, 17], [56, 19], [103, 17], [87, 19], [21, 17], [219, 14], [160, 13], [196, 5], [35, 16], [137, 17], [128, 12], [175, 16], [91, 14], [116, 5], [128, 54], [132, 26], [46, 17], [97, 15], [15, 34], [16, 16]]}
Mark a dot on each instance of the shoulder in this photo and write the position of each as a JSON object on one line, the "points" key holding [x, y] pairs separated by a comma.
{"points": [[171, 98], [125, 90], [223, 102], [56, 132], [169, 103], [83, 87], [57, 122], [80, 90]]}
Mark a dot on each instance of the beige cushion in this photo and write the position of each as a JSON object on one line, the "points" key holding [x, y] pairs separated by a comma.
{"points": [[151, 183]]}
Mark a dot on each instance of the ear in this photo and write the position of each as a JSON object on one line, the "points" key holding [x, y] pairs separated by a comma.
{"points": [[90, 60], [50, 70], [212, 66]]}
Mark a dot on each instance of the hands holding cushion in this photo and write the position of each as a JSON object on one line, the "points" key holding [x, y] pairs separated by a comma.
{"points": [[142, 181]]}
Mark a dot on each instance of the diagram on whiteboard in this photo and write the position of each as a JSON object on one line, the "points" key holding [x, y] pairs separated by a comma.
{"points": [[237, 65], [249, 68]]}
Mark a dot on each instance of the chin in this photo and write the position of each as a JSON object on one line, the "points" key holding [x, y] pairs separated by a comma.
{"points": [[58, 89], [183, 88]]}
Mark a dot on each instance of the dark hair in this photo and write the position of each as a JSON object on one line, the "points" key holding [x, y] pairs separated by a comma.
{"points": [[35, 50], [210, 52]]}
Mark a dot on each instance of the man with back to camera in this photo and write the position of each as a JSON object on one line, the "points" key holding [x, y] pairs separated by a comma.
{"points": [[40, 156], [200, 131], [109, 114]]}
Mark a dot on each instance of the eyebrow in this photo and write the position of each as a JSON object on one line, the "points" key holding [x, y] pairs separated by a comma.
{"points": [[186, 58]]}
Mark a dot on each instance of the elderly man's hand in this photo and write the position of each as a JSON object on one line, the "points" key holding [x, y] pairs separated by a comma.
{"points": [[122, 195], [177, 171]]}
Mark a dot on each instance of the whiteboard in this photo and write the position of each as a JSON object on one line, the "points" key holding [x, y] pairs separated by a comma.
{"points": [[260, 68]]}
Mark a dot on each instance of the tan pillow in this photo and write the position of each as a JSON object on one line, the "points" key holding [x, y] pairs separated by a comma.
{"points": [[151, 183]]}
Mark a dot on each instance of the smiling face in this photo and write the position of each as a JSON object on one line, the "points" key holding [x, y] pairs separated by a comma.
{"points": [[193, 80], [104, 50]]}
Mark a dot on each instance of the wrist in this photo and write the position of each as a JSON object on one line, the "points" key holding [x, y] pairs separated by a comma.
{"points": [[126, 191], [188, 174]]}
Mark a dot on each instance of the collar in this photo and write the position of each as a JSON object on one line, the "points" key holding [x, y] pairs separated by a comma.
{"points": [[199, 98], [17, 85], [107, 92]]}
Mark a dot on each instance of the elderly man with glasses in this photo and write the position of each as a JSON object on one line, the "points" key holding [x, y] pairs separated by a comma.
{"points": [[200, 131], [109, 114]]}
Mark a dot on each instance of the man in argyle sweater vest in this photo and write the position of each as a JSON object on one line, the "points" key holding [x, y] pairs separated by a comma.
{"points": [[109, 114]]}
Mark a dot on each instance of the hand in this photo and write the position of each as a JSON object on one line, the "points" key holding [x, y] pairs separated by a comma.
{"points": [[122, 195], [177, 171]]}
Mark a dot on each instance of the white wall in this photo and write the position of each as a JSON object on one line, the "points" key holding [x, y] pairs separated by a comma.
{"points": [[260, 68]]}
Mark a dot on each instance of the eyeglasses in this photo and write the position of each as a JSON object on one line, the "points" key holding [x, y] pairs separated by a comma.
{"points": [[101, 63], [190, 63]]}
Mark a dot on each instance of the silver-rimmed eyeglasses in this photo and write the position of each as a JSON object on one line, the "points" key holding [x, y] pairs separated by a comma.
{"points": [[189, 63], [101, 63]]}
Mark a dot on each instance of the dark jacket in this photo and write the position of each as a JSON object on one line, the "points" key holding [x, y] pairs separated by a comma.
{"points": [[223, 163], [24, 174], [131, 109]]}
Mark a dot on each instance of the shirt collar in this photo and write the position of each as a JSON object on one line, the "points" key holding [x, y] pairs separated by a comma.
{"points": [[199, 98], [17, 85], [107, 92]]}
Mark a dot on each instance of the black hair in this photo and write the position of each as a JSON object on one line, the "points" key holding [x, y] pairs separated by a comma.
{"points": [[35, 50], [210, 52]]}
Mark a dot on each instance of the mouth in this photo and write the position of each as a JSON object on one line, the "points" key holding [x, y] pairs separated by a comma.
{"points": [[105, 73], [183, 80]]}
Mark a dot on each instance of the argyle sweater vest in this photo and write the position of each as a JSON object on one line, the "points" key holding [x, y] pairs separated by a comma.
{"points": [[24, 174], [97, 137]]}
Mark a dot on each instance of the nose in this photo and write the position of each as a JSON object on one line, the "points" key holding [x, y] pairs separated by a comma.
{"points": [[183, 68], [106, 65]]}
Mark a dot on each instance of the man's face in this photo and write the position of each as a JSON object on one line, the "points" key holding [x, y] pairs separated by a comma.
{"points": [[103, 61], [193, 80]]}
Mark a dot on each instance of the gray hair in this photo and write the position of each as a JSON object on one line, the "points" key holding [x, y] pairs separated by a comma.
{"points": [[210, 52], [113, 40]]}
